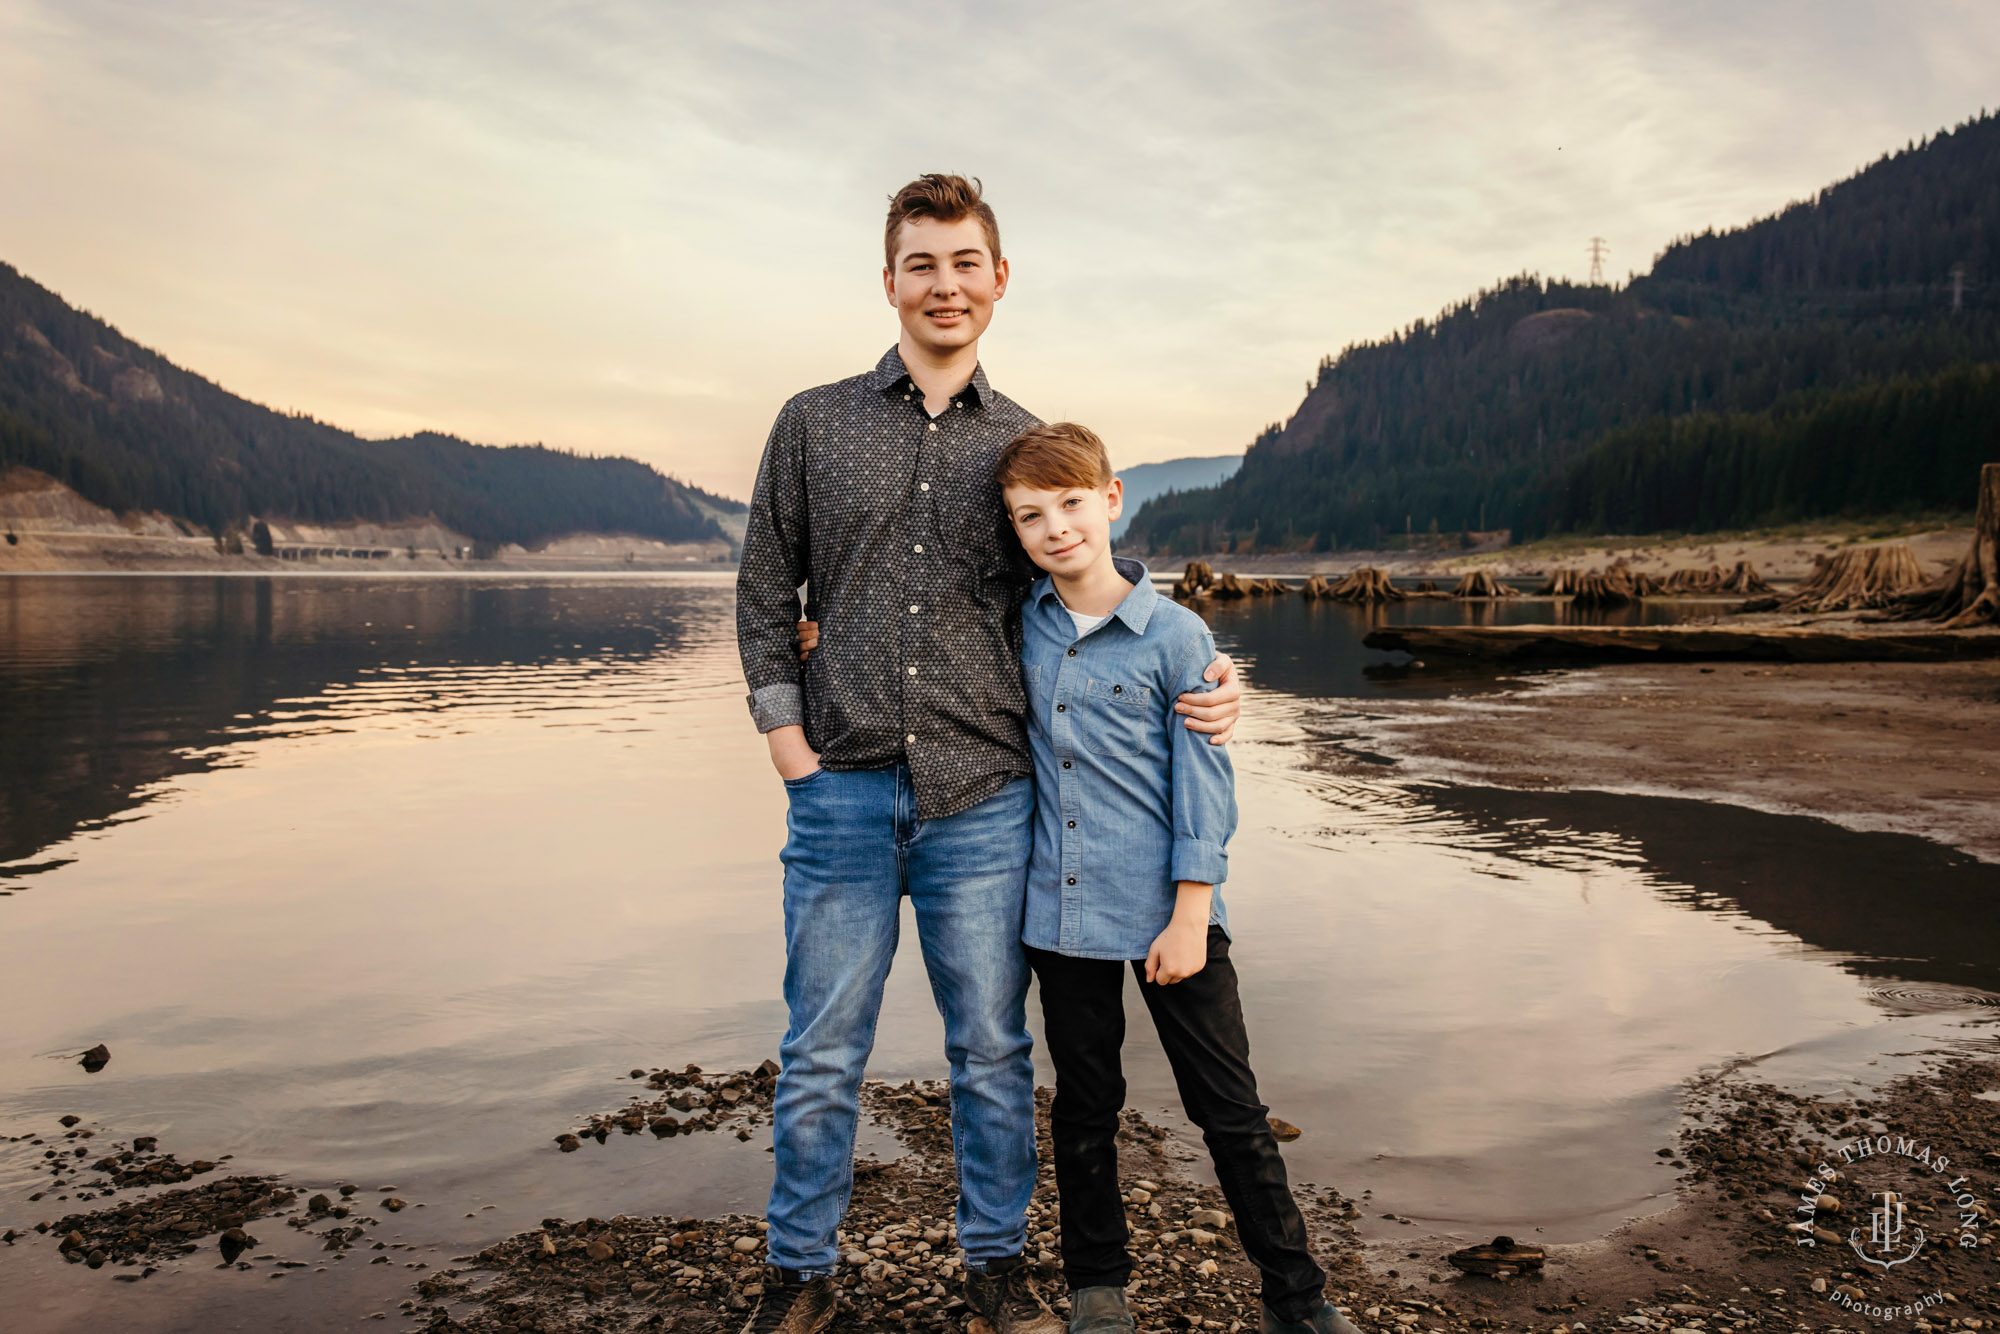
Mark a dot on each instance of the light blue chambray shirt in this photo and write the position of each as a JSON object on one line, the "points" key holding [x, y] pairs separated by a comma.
{"points": [[1127, 800]]}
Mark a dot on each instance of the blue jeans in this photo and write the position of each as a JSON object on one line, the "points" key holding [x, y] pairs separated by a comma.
{"points": [[854, 847]]}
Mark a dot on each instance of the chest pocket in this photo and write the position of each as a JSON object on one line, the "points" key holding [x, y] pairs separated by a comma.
{"points": [[1115, 718]]}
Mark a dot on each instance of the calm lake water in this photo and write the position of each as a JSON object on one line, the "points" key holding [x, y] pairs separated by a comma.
{"points": [[388, 881]]}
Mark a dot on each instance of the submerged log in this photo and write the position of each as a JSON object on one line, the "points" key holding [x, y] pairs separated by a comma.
{"points": [[1682, 643], [1857, 579], [1482, 584], [1366, 585], [1968, 594]]}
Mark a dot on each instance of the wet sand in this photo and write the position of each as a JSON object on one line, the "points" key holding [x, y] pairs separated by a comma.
{"points": [[1895, 747]]}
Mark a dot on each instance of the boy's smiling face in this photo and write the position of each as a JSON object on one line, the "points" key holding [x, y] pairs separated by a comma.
{"points": [[1065, 531], [944, 283]]}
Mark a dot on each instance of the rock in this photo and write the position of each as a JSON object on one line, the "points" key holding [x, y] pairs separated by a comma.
{"points": [[1827, 1204], [1143, 1184], [1206, 1268], [568, 1143], [70, 1120], [234, 1241], [1283, 1131], [1214, 1218], [1827, 1235], [346, 1192], [745, 1245], [74, 1241], [1200, 1237], [600, 1250], [96, 1259], [1819, 1285], [319, 1203], [643, 1290], [1140, 1195], [395, 1205], [768, 1070], [145, 1143], [95, 1059]]}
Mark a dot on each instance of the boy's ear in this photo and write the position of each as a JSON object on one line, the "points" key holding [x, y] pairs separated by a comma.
{"points": [[1114, 498]]}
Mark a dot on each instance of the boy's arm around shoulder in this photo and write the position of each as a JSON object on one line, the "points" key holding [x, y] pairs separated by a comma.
{"points": [[1204, 781], [775, 560]]}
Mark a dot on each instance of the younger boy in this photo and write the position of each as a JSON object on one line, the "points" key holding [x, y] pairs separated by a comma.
{"points": [[1132, 816]]}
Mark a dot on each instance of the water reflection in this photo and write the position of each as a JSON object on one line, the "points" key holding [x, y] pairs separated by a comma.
{"points": [[389, 881], [109, 686]]}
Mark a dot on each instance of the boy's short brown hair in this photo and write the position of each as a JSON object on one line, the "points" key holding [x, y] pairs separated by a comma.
{"points": [[1054, 457], [945, 198]]}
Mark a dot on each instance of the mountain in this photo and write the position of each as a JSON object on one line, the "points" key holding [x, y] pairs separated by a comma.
{"points": [[1836, 357], [1146, 480], [131, 431]]}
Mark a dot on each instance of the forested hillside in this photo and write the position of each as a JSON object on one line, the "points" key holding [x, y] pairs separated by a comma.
{"points": [[1824, 360], [129, 430]]}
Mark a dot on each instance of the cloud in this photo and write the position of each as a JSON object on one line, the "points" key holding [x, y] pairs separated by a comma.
{"points": [[638, 227]]}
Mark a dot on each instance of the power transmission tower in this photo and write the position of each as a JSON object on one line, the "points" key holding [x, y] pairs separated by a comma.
{"points": [[1598, 250]]}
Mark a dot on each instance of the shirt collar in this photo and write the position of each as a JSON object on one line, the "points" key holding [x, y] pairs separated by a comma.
{"points": [[1137, 607], [890, 375]]}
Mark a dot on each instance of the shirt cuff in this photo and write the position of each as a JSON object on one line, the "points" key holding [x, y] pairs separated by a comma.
{"points": [[1199, 860], [777, 706]]}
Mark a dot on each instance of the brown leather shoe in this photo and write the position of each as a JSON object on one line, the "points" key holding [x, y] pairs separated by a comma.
{"points": [[1006, 1296], [790, 1306]]}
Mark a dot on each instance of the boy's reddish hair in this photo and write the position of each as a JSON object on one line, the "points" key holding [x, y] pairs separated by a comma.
{"points": [[1054, 457], [945, 198]]}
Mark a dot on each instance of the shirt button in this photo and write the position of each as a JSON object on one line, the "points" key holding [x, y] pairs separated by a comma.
{"points": [[1065, 764], [913, 671], [1072, 652], [1062, 708], [933, 426], [923, 486], [914, 609], [1072, 824], [918, 548], [1072, 880], [912, 736]]}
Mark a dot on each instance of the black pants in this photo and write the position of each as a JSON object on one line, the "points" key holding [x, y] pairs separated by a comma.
{"points": [[1200, 1022]]}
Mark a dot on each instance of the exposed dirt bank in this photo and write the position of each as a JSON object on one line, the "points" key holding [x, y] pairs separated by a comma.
{"points": [[1782, 557], [47, 528], [1903, 747]]}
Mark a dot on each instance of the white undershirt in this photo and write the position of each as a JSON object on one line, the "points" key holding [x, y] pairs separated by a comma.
{"points": [[1084, 624]]}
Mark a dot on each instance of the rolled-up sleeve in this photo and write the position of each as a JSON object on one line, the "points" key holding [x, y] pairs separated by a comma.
{"points": [[776, 554], [1204, 781]]}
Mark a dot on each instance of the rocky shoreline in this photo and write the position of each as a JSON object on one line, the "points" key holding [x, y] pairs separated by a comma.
{"points": [[1773, 1189]]}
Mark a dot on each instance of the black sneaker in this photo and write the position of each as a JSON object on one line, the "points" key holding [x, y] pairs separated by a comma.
{"points": [[791, 1305], [1006, 1296]]}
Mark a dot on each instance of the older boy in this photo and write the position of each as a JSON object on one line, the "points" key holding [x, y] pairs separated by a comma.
{"points": [[1132, 823], [902, 746]]}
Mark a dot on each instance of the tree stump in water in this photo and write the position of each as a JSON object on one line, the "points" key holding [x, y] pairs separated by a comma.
{"points": [[1602, 588], [1858, 578], [1969, 594], [1266, 587], [1366, 585], [1482, 584], [1744, 579], [1195, 580], [1317, 587], [1228, 586], [1561, 584], [1427, 586]]}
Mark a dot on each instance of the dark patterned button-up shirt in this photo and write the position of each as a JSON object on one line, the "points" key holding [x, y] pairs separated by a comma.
{"points": [[891, 519]]}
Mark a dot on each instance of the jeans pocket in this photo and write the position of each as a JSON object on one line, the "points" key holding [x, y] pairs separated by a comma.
{"points": [[803, 780]]}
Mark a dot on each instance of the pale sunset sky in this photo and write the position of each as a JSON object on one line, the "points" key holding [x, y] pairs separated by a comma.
{"points": [[636, 228]]}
